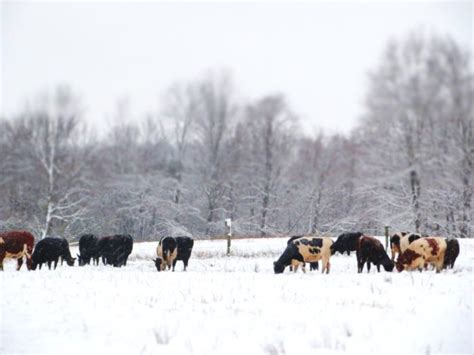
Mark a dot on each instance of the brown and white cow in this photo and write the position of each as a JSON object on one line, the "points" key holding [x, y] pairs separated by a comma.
{"points": [[423, 251], [400, 241], [16, 245], [305, 250]]}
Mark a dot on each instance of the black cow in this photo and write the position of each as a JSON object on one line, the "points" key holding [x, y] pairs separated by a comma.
{"points": [[167, 251], [313, 265], [370, 250], [452, 252], [185, 247], [49, 250], [88, 250], [346, 242], [115, 249]]}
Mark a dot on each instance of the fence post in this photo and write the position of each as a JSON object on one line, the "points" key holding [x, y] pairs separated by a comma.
{"points": [[228, 224], [386, 237]]}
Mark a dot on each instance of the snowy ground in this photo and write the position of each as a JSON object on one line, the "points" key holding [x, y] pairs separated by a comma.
{"points": [[235, 305]]}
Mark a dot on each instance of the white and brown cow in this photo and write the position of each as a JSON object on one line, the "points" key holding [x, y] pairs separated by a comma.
{"points": [[423, 251], [16, 245], [305, 250], [167, 251], [400, 241]]}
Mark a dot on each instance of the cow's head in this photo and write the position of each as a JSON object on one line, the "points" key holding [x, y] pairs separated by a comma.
{"points": [[30, 264], [70, 261], [388, 264], [160, 264], [337, 246], [278, 268]]}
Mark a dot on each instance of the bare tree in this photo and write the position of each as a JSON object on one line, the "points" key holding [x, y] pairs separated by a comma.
{"points": [[271, 124], [214, 118]]}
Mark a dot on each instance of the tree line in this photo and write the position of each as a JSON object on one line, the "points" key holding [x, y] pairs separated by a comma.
{"points": [[207, 156]]}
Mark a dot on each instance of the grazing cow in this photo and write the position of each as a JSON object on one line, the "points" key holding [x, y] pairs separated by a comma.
{"points": [[452, 252], [115, 249], [88, 250], [167, 251], [312, 266], [370, 250], [49, 250], [400, 241], [302, 250], [428, 250], [16, 245], [185, 247], [346, 242]]}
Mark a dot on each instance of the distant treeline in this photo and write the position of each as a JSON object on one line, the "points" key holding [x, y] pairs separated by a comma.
{"points": [[207, 156]]}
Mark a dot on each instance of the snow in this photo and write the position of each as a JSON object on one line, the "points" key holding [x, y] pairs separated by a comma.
{"points": [[235, 305]]}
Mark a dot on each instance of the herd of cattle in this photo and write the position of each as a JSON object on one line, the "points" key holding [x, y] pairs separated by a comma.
{"points": [[411, 249]]}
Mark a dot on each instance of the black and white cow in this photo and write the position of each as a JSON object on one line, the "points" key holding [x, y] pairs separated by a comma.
{"points": [[49, 250], [185, 247], [346, 243], [302, 250], [312, 266], [167, 251]]}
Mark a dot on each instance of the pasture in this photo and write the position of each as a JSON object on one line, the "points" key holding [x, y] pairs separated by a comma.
{"points": [[235, 305]]}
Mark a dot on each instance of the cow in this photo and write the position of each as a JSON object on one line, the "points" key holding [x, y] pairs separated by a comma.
{"points": [[115, 250], [49, 250], [88, 250], [452, 252], [302, 250], [400, 241], [370, 250], [423, 251], [346, 242], [16, 245], [312, 266], [167, 251], [185, 247]]}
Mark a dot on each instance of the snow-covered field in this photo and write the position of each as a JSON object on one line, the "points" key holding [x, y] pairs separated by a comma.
{"points": [[235, 305]]}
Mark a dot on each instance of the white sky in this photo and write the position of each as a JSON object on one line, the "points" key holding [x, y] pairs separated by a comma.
{"points": [[316, 53]]}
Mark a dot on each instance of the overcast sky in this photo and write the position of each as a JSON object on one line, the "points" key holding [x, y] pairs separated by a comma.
{"points": [[318, 54]]}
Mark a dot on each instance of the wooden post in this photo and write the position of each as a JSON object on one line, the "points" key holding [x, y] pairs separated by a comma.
{"points": [[228, 224], [386, 236]]}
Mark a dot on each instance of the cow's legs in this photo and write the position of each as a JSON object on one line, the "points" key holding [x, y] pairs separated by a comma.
{"points": [[378, 267], [56, 263], [368, 265], [40, 265], [174, 263], [19, 263], [49, 265], [360, 265], [295, 268], [185, 262]]}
